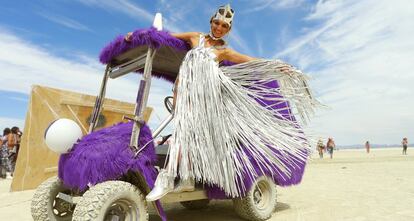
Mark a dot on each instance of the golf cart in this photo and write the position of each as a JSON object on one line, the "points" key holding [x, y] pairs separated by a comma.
{"points": [[107, 173]]}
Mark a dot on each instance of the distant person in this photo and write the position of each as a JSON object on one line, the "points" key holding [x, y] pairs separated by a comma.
{"points": [[320, 147], [330, 145], [13, 143], [367, 146], [405, 145], [4, 155]]}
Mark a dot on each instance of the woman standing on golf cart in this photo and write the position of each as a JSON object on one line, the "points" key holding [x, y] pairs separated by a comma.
{"points": [[226, 130]]}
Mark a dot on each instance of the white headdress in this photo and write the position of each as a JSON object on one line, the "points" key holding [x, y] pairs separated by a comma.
{"points": [[224, 13]]}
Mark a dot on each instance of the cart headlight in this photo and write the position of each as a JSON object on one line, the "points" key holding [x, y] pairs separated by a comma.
{"points": [[62, 134]]}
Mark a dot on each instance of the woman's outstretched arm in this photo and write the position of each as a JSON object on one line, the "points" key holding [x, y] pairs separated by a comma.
{"points": [[189, 37], [186, 36], [234, 56]]}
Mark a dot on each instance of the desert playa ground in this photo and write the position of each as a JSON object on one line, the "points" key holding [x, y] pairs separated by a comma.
{"points": [[352, 186]]}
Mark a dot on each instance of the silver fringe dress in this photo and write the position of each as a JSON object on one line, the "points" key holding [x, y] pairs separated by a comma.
{"points": [[220, 122]]}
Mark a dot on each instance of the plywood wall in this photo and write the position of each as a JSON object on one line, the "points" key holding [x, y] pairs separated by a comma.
{"points": [[35, 162]]}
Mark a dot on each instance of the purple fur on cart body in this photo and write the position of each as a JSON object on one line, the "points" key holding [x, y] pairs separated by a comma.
{"points": [[105, 155]]}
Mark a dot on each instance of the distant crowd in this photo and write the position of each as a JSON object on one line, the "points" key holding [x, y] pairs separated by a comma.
{"points": [[10, 144], [330, 145]]}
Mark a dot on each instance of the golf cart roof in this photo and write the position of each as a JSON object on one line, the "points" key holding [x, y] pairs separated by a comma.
{"points": [[124, 57], [166, 62]]}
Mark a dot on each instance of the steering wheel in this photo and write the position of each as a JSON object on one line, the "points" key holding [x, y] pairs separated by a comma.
{"points": [[168, 102]]}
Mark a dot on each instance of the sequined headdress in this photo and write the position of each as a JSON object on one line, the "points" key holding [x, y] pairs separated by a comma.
{"points": [[224, 13]]}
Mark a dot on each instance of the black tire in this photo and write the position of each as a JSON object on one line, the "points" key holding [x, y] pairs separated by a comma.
{"points": [[259, 202], [112, 200], [45, 206], [196, 204]]}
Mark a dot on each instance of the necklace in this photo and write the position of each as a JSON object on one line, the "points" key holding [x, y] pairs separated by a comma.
{"points": [[212, 37]]}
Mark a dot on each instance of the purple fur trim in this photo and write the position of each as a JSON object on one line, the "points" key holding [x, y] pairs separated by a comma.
{"points": [[150, 37], [105, 155]]}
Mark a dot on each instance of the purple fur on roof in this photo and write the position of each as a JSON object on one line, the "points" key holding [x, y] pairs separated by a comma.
{"points": [[151, 37]]}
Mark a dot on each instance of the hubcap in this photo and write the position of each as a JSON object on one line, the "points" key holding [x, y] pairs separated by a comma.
{"points": [[122, 210], [61, 208], [261, 195]]}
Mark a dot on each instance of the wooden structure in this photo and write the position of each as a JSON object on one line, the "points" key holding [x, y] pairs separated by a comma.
{"points": [[35, 162]]}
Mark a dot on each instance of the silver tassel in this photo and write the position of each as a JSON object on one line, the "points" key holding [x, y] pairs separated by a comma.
{"points": [[217, 120]]}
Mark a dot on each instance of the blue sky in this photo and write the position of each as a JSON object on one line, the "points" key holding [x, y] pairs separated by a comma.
{"points": [[360, 54]]}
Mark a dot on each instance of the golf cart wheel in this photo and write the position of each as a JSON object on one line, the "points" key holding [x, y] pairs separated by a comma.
{"points": [[196, 204], [112, 200], [46, 206], [259, 202]]}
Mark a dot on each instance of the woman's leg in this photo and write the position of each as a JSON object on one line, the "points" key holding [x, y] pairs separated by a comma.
{"points": [[165, 182]]}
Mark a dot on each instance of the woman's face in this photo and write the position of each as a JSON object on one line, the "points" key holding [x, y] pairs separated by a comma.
{"points": [[219, 28]]}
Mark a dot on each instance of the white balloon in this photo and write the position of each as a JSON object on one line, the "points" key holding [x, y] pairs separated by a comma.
{"points": [[62, 134]]}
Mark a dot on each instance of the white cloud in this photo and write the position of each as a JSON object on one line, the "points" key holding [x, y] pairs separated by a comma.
{"points": [[123, 6], [10, 122], [260, 5], [132, 10], [234, 36], [24, 64], [67, 22], [18, 99], [179, 15], [362, 57]]}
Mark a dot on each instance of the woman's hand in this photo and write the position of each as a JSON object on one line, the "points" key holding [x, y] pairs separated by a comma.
{"points": [[128, 36], [286, 69]]}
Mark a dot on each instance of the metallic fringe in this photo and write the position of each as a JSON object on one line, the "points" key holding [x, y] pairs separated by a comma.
{"points": [[219, 122]]}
